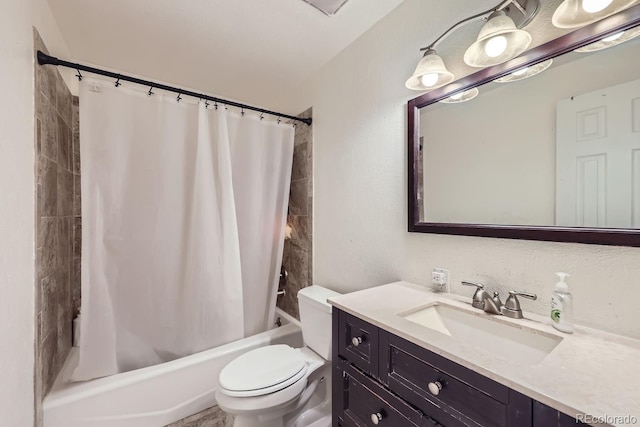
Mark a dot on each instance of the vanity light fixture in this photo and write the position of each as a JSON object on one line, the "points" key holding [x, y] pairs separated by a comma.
{"points": [[577, 13], [500, 40], [459, 97], [526, 72], [430, 73], [610, 41]]}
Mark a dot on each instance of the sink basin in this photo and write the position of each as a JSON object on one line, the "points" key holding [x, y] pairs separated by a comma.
{"points": [[512, 342]]}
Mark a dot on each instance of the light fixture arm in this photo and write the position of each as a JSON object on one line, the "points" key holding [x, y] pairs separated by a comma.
{"points": [[500, 6]]}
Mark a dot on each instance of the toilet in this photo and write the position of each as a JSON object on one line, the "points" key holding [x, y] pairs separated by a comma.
{"points": [[282, 386]]}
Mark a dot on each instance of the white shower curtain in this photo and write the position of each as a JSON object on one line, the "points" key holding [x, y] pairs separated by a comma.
{"points": [[184, 210]]}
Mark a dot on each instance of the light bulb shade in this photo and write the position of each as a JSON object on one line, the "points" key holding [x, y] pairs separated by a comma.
{"points": [[465, 96], [431, 64], [572, 14], [530, 71], [627, 35], [499, 25]]}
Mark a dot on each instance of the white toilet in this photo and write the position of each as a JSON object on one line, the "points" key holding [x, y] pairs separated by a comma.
{"points": [[281, 386]]}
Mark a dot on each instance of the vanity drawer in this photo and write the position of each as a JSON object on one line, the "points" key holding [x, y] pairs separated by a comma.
{"points": [[362, 397], [358, 342], [466, 399]]}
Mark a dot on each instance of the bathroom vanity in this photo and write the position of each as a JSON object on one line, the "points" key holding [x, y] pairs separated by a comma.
{"points": [[390, 369]]}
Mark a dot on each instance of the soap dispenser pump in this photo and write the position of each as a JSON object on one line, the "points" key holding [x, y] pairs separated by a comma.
{"points": [[562, 305]]}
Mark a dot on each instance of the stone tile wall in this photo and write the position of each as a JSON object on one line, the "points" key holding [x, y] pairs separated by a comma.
{"points": [[298, 249], [77, 209], [57, 168]]}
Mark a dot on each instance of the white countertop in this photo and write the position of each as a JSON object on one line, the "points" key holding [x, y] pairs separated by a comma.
{"points": [[590, 372]]}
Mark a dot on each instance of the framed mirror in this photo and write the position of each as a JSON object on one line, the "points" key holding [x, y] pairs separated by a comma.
{"points": [[553, 157]]}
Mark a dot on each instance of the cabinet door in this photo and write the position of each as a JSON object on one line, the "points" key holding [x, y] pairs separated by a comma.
{"points": [[545, 416], [364, 402]]}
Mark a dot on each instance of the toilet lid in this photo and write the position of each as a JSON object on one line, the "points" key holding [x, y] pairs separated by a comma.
{"points": [[262, 369]]}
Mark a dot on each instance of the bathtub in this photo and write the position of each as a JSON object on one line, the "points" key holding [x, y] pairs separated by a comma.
{"points": [[153, 396]]}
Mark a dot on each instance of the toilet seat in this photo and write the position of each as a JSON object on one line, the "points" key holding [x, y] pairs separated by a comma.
{"points": [[263, 371], [276, 400]]}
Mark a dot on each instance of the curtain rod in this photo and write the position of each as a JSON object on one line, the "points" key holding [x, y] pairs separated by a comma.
{"points": [[44, 59]]}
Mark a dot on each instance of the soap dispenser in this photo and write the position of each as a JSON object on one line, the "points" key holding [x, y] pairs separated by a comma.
{"points": [[562, 306]]}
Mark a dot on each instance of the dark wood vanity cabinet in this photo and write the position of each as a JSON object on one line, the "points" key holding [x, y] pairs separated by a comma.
{"points": [[362, 398], [544, 416], [382, 379]]}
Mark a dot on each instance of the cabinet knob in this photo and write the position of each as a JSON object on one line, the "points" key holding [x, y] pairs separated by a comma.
{"points": [[376, 418], [356, 341], [435, 387]]}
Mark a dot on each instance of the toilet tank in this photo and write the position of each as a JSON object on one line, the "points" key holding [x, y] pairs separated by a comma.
{"points": [[315, 318]]}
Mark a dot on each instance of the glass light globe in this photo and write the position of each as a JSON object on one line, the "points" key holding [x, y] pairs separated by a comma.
{"points": [[457, 96], [593, 6], [495, 46], [429, 79], [613, 37], [521, 71]]}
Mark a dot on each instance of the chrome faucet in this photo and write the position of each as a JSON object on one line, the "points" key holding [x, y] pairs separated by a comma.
{"points": [[512, 305], [493, 305], [484, 301]]}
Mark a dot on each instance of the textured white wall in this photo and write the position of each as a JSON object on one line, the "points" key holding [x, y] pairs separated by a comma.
{"points": [[360, 191], [17, 206]]}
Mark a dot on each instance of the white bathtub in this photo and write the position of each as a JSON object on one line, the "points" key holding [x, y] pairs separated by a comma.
{"points": [[153, 396]]}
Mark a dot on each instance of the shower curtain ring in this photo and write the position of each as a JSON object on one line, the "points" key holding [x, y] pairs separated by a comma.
{"points": [[261, 116], [79, 75], [179, 97], [118, 81], [206, 103], [215, 105], [150, 91], [242, 111], [279, 119]]}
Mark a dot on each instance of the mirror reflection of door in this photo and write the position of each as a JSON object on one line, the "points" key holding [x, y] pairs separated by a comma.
{"points": [[598, 158]]}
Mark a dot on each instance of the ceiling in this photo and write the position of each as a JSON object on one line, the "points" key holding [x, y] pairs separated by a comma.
{"points": [[247, 50]]}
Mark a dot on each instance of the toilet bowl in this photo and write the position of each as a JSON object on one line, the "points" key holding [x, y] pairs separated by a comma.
{"points": [[281, 386]]}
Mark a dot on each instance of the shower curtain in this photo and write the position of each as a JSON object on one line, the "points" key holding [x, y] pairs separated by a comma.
{"points": [[184, 209]]}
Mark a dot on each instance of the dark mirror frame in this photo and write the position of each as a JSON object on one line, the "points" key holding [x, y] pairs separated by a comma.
{"points": [[567, 43]]}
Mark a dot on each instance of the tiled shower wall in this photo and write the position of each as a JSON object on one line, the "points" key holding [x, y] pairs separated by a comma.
{"points": [[297, 250], [57, 168], [77, 209]]}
